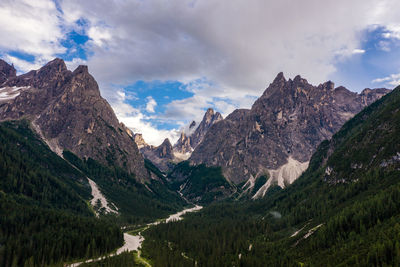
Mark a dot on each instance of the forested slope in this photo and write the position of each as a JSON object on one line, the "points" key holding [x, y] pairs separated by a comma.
{"points": [[45, 215]]}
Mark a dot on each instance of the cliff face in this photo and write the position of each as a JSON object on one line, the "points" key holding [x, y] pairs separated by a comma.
{"points": [[66, 108], [6, 71], [187, 143], [278, 135]]}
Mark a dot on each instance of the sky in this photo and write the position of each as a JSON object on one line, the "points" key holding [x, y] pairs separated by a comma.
{"points": [[162, 63]]}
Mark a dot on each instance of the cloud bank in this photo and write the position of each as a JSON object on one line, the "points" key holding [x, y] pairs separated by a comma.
{"points": [[235, 47]]}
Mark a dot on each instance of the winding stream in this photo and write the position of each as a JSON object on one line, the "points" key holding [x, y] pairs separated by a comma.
{"points": [[134, 242]]}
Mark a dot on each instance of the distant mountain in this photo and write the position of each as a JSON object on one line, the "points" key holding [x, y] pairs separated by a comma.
{"points": [[278, 135], [161, 156], [6, 72], [67, 110], [165, 155], [189, 141]]}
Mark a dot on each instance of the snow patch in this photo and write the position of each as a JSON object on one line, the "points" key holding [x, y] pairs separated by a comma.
{"points": [[285, 174], [8, 93], [98, 196]]}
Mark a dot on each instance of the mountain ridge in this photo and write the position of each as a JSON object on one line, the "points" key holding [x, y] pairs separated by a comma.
{"points": [[289, 120]]}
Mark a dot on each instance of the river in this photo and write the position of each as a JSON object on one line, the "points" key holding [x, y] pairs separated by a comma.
{"points": [[134, 242]]}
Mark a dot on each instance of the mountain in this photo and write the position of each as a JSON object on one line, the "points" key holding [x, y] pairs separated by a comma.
{"points": [[6, 72], [161, 156], [67, 110], [182, 147], [277, 136], [344, 210], [188, 142], [165, 155]]}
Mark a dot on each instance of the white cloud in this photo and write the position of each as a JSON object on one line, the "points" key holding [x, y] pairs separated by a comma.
{"points": [[358, 51], [74, 63], [22, 65], [392, 80], [135, 120], [237, 46], [151, 104], [31, 27]]}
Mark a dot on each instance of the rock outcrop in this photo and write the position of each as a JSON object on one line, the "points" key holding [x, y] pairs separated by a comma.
{"points": [[281, 130], [187, 143], [161, 156], [6, 71], [67, 110]]}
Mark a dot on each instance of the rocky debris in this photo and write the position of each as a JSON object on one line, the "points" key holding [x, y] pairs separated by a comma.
{"points": [[288, 121], [68, 111]]}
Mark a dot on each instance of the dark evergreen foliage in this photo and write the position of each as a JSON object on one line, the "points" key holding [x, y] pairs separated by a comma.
{"points": [[44, 217]]}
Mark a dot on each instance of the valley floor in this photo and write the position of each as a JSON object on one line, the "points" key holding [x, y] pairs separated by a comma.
{"points": [[133, 242]]}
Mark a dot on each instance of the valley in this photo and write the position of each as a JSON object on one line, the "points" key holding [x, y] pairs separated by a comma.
{"points": [[307, 168]]}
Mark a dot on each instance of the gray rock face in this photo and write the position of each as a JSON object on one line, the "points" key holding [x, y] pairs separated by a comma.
{"points": [[209, 119], [186, 144], [183, 144], [66, 108], [6, 71], [139, 140], [285, 125], [161, 156]]}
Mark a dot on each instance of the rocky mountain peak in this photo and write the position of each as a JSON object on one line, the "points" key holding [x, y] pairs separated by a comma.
{"points": [[279, 79], [81, 69], [192, 125], [67, 110], [281, 131], [165, 150], [138, 137], [7, 71], [329, 85], [183, 146], [209, 119], [57, 65]]}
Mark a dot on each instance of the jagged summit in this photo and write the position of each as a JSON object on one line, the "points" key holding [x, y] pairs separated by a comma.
{"points": [[7, 71], [67, 110], [187, 143], [281, 131]]}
